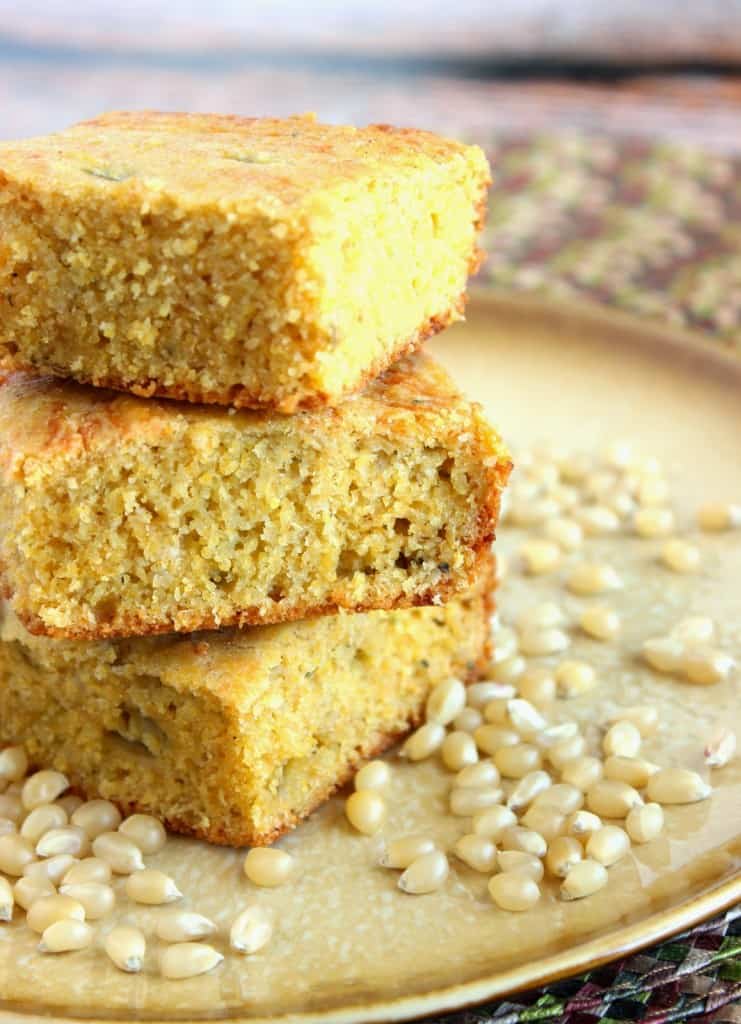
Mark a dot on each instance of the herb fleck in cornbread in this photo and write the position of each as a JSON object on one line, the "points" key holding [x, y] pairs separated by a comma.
{"points": [[232, 736], [258, 262], [125, 516]]}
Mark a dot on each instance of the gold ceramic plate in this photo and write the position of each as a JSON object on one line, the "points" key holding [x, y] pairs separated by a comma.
{"points": [[348, 945]]}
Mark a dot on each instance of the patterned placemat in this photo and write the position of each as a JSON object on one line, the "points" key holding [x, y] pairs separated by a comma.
{"points": [[652, 228], [694, 976]]}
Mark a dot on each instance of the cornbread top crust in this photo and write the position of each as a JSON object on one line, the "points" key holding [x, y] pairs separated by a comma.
{"points": [[120, 516], [240, 165], [252, 261]]}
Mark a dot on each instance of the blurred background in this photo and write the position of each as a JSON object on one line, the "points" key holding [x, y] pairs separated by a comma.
{"points": [[612, 128], [628, 66]]}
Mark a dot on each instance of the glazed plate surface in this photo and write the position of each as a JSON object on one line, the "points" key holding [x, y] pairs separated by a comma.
{"points": [[348, 944]]}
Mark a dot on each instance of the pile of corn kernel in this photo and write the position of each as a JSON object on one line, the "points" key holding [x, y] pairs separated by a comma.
{"points": [[538, 800], [533, 796]]}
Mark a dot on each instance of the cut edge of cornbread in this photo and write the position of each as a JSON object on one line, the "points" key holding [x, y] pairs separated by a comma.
{"points": [[119, 718], [263, 263], [124, 517]]}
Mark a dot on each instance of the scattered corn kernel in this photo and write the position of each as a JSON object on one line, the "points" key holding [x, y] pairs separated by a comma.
{"points": [[446, 701], [663, 653], [540, 642], [561, 797], [7, 900], [400, 853], [584, 879], [567, 533], [66, 936], [597, 519], [514, 891], [123, 855], [573, 678], [582, 772], [70, 840], [537, 685], [126, 947], [563, 853], [42, 819], [151, 887], [490, 738], [43, 788], [468, 720], [269, 867], [611, 798], [517, 760], [96, 817], [608, 845], [528, 788], [653, 522], [593, 578], [145, 831], [581, 824], [423, 742], [600, 622], [178, 925], [644, 717], [677, 786], [48, 909], [13, 764], [373, 775], [622, 739], [478, 852], [27, 890], [425, 874], [717, 516], [720, 748], [636, 771], [15, 853], [187, 960], [645, 823], [525, 839], [484, 773], [469, 800], [251, 930], [97, 898], [509, 670], [706, 666], [547, 821], [493, 822], [459, 751], [567, 750], [518, 860], [681, 556]]}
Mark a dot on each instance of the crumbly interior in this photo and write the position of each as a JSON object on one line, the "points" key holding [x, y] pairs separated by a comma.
{"points": [[231, 736], [120, 516], [275, 263]]}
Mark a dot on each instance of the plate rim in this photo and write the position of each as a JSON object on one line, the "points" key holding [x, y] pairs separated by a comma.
{"points": [[620, 942]]}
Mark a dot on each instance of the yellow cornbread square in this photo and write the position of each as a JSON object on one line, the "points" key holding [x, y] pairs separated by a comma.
{"points": [[122, 516], [259, 262], [232, 736]]}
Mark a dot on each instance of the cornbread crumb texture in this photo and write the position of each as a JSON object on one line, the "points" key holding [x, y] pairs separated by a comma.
{"points": [[235, 736], [124, 516], [260, 262]]}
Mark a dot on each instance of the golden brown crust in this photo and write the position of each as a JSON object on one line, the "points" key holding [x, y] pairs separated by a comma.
{"points": [[140, 626], [242, 398]]}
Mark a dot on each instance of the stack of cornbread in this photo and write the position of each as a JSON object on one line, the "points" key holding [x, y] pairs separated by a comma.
{"points": [[242, 571]]}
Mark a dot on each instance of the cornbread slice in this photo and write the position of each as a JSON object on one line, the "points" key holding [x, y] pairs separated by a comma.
{"points": [[232, 736], [257, 262], [124, 516]]}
